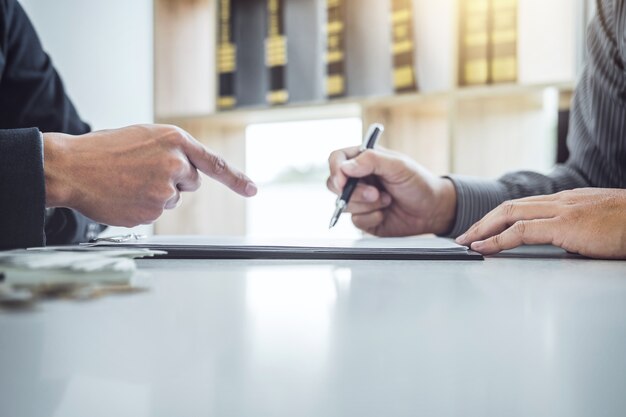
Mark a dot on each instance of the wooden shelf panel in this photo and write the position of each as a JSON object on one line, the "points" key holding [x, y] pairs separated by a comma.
{"points": [[353, 107], [184, 56]]}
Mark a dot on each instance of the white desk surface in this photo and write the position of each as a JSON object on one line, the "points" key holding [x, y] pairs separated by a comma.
{"points": [[510, 336]]}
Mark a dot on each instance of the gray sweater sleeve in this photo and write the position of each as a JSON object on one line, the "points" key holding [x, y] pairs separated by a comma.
{"points": [[597, 138]]}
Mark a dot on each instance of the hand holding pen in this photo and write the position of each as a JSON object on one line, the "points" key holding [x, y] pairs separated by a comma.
{"points": [[369, 141], [399, 198]]}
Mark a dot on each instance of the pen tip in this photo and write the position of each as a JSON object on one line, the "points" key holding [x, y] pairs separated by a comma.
{"points": [[338, 210]]}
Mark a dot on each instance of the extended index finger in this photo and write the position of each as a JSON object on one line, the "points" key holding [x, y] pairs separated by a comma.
{"points": [[506, 214], [527, 232], [217, 168]]}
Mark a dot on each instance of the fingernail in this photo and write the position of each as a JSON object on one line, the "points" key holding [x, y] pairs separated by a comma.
{"points": [[386, 199], [370, 195], [461, 238], [349, 165], [251, 189], [477, 246]]}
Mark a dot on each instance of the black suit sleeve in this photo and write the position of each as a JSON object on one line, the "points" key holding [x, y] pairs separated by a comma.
{"points": [[21, 189], [32, 97]]}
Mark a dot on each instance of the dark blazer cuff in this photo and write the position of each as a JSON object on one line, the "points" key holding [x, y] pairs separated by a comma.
{"points": [[67, 226], [22, 189]]}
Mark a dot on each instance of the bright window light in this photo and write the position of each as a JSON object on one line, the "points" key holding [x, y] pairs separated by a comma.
{"points": [[289, 163]]}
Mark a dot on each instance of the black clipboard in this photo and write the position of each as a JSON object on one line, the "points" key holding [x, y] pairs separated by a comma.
{"points": [[202, 247]]}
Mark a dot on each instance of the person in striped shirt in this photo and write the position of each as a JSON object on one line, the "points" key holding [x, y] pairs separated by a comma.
{"points": [[580, 206]]}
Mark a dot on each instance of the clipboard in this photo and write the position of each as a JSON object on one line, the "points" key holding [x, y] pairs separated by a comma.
{"points": [[204, 247]]}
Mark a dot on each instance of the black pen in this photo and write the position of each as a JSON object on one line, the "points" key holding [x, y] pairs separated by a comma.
{"points": [[369, 141]]}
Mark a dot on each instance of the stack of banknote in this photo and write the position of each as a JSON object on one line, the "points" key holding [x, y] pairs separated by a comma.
{"points": [[27, 276]]}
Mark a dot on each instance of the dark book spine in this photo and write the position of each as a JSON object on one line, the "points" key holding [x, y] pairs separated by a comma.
{"points": [[503, 41], [404, 79], [335, 49], [226, 56], [474, 42], [276, 53]]}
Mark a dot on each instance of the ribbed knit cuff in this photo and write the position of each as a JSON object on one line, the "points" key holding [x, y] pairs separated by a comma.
{"points": [[22, 189], [475, 197]]}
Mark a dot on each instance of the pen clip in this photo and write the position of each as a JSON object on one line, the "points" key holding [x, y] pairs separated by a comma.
{"points": [[118, 239], [369, 140]]}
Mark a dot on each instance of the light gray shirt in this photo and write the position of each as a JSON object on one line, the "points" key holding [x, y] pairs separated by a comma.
{"points": [[597, 133]]}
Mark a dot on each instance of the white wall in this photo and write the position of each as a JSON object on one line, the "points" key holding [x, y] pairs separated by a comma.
{"points": [[103, 51]]}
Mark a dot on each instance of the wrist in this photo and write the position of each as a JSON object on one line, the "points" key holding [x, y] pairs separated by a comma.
{"points": [[445, 212], [58, 192]]}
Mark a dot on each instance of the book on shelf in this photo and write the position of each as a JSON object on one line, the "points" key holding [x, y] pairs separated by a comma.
{"points": [[503, 41], [474, 42], [488, 42], [270, 52], [335, 48], [524, 41], [403, 47], [369, 69], [251, 78], [279, 51], [433, 28], [306, 49], [226, 56], [276, 53]]}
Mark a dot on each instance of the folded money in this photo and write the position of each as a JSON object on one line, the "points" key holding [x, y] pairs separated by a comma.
{"points": [[48, 266]]}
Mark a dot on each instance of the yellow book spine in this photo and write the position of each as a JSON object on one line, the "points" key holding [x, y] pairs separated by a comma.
{"points": [[474, 42], [335, 49], [226, 57], [503, 41], [403, 49]]}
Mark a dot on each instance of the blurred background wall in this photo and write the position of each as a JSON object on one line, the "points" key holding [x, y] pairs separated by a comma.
{"points": [[103, 50]]}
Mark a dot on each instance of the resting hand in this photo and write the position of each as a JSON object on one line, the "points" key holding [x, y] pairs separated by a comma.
{"points": [[397, 197], [590, 222], [128, 176]]}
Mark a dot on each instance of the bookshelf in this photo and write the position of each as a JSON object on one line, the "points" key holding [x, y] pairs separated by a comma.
{"points": [[478, 130]]}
